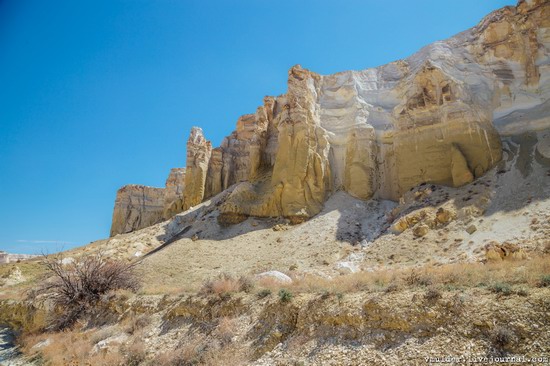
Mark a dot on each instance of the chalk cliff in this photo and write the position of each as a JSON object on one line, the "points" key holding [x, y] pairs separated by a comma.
{"points": [[137, 207], [437, 116]]}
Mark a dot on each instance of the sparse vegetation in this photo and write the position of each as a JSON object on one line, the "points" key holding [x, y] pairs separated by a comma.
{"points": [[285, 295], [215, 334], [501, 289], [225, 284], [415, 278], [502, 338], [432, 295], [545, 281], [134, 323], [222, 285], [76, 286], [135, 353], [246, 284]]}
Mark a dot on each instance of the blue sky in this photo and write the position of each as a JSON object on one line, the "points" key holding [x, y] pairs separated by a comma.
{"points": [[95, 94]]}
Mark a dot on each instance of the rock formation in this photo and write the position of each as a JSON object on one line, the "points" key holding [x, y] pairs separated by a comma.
{"points": [[435, 117], [198, 157], [173, 194], [137, 207]]}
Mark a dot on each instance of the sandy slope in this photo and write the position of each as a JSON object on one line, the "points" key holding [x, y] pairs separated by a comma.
{"points": [[511, 203]]}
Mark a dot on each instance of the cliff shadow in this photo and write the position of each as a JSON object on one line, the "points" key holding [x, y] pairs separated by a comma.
{"points": [[521, 179]]}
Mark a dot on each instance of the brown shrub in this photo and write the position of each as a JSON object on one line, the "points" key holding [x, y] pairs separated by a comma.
{"points": [[415, 278], [226, 284], [226, 330], [75, 288], [222, 285], [432, 295], [134, 323], [502, 338], [246, 284], [135, 353]]}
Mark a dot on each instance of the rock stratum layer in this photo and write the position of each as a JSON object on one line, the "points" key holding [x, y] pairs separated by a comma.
{"points": [[435, 117]]}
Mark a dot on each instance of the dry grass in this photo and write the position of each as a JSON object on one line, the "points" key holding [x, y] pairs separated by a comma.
{"points": [[61, 348], [529, 272], [166, 290], [135, 353], [226, 284], [189, 353], [32, 271], [219, 347], [134, 323], [226, 330]]}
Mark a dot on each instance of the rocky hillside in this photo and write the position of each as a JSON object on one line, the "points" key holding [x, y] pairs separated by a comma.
{"points": [[436, 117], [390, 216]]}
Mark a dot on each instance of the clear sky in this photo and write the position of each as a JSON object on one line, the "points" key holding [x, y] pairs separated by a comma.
{"points": [[95, 94]]}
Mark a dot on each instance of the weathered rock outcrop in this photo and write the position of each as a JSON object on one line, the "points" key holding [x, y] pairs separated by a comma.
{"points": [[435, 117], [137, 207], [198, 157], [173, 193]]}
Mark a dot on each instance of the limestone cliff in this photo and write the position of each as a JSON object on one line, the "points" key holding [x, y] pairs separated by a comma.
{"points": [[137, 207], [173, 194], [437, 116], [198, 157]]}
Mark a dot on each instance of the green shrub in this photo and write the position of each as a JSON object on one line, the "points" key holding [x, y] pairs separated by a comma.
{"points": [[544, 281], [522, 291], [501, 289], [285, 295]]}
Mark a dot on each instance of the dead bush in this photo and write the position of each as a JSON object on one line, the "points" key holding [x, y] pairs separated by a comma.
{"points": [[135, 353], [223, 285], [502, 338], [415, 278], [226, 330], [75, 287], [432, 295], [246, 284]]}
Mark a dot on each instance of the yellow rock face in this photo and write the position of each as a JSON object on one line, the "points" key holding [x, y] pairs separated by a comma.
{"points": [[299, 181], [137, 207], [498, 252], [460, 171], [173, 192], [360, 171], [198, 157]]}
